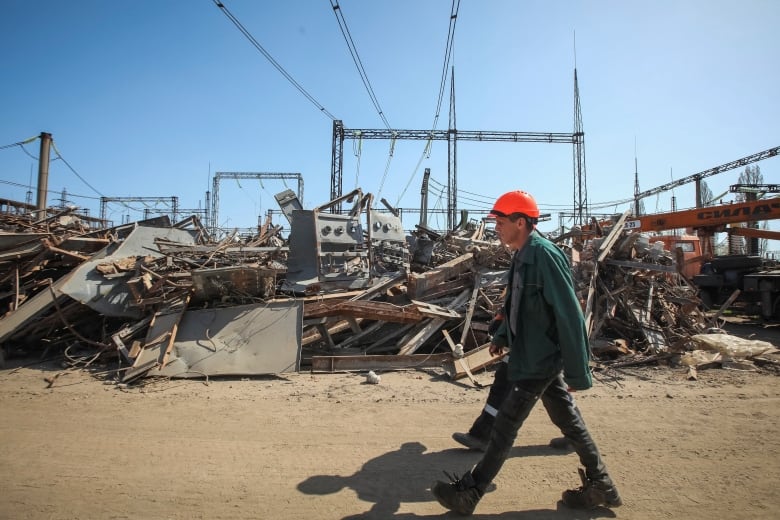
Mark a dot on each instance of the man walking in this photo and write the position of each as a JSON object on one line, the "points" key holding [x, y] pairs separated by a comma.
{"points": [[545, 331]]}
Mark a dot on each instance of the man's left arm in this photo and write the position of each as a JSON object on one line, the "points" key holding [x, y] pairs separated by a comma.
{"points": [[570, 324]]}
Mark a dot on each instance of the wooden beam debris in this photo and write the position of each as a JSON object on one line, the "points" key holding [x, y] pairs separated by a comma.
{"points": [[57, 276]]}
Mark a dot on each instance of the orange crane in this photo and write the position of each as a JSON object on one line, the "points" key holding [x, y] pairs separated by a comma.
{"points": [[707, 221], [718, 277]]}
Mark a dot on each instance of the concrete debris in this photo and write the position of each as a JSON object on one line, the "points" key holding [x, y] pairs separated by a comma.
{"points": [[345, 291]]}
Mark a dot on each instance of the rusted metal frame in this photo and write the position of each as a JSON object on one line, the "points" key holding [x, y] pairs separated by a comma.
{"points": [[377, 362], [29, 266], [54, 249]]}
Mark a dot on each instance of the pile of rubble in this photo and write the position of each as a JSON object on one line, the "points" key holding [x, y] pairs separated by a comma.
{"points": [[347, 291]]}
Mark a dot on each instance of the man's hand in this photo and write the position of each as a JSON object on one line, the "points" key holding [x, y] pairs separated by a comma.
{"points": [[495, 350]]}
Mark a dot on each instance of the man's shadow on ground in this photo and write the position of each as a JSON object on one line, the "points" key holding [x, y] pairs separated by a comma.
{"points": [[407, 474]]}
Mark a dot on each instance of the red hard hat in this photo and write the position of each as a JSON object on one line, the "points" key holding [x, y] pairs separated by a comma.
{"points": [[515, 202]]}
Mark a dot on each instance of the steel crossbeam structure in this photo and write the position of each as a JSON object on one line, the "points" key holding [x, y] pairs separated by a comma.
{"points": [[213, 217], [173, 201], [697, 177], [340, 134]]}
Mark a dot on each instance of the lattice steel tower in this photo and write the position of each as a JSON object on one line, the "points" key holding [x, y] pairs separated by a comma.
{"points": [[581, 213]]}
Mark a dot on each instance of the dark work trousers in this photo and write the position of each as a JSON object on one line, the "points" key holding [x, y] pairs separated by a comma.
{"points": [[563, 413], [498, 392]]}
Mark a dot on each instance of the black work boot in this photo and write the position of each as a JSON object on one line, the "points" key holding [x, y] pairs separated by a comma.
{"points": [[479, 433], [460, 495], [470, 441], [561, 443], [592, 494]]}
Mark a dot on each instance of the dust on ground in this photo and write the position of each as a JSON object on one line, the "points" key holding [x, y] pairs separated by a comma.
{"points": [[331, 446]]}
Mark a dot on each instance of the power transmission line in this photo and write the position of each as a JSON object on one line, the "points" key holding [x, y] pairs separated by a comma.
{"points": [[82, 179], [447, 56], [338, 11], [270, 58], [19, 143]]}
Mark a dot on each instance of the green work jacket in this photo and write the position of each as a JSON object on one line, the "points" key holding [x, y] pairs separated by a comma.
{"points": [[551, 332]]}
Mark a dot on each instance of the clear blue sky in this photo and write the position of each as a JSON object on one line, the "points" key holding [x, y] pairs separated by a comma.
{"points": [[149, 98]]}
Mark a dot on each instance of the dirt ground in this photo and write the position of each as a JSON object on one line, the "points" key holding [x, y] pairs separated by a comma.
{"points": [[331, 446]]}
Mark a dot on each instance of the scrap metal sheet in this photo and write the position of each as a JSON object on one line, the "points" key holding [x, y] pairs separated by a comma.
{"points": [[110, 296], [257, 339]]}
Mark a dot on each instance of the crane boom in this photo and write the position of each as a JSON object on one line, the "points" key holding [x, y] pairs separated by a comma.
{"points": [[771, 152], [711, 217]]}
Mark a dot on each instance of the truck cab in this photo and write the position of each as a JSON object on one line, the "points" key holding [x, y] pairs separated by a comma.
{"points": [[691, 251]]}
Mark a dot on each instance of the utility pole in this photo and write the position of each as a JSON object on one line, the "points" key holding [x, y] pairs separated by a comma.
{"points": [[43, 174]]}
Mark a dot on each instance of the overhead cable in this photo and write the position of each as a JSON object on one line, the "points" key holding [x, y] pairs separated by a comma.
{"points": [[270, 58], [20, 185], [338, 11], [447, 56], [425, 154], [488, 200], [19, 143], [59, 155], [387, 167]]}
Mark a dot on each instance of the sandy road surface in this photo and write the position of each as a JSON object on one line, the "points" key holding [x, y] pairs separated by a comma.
{"points": [[330, 446]]}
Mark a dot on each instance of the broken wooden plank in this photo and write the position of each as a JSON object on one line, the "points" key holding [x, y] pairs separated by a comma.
{"points": [[14, 322], [378, 362], [727, 304], [418, 285], [476, 359], [642, 265], [459, 356], [430, 328], [361, 334], [470, 312], [174, 329], [443, 289], [435, 311], [333, 328], [603, 251], [382, 311], [653, 333]]}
